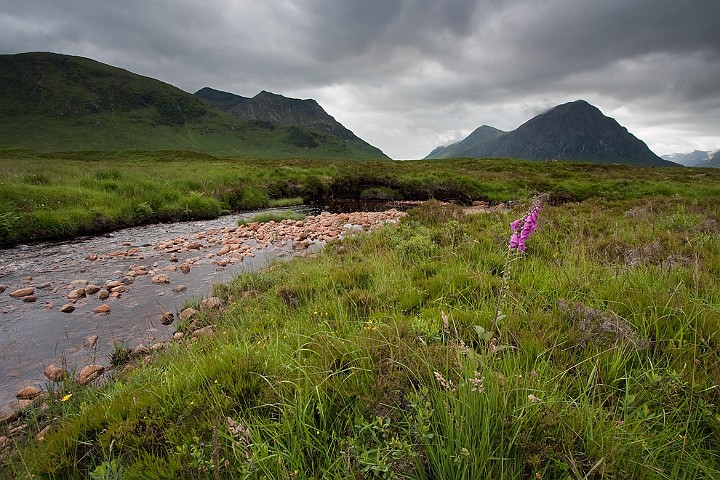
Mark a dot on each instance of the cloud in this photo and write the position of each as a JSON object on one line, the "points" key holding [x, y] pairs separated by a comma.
{"points": [[407, 75]]}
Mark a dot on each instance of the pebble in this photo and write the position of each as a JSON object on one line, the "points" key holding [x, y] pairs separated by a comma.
{"points": [[103, 309], [140, 350], [23, 292], [210, 303], [103, 294], [90, 341], [76, 294], [27, 393], [89, 373], [54, 373], [180, 288], [67, 308], [161, 278], [188, 313], [29, 299], [91, 289], [204, 332], [3, 288]]}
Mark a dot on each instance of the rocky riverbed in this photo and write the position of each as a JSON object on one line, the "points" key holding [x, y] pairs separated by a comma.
{"points": [[64, 306]]}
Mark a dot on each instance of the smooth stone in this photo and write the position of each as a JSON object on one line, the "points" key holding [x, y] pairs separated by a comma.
{"points": [[28, 393], [76, 294], [29, 299], [188, 313], [104, 308], [89, 373], [92, 289], [119, 289], [112, 284], [67, 308], [103, 294], [180, 288], [204, 332], [44, 285], [54, 373], [178, 335], [140, 350], [22, 292], [185, 268], [210, 303], [161, 278], [90, 341]]}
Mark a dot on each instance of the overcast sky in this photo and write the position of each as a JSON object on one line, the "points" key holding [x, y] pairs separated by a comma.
{"points": [[408, 75]]}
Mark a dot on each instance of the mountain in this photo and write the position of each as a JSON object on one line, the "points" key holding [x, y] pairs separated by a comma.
{"points": [[572, 131], [713, 161], [480, 135], [688, 159], [52, 102], [274, 108]]}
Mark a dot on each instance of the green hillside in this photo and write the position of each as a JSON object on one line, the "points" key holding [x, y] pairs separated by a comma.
{"points": [[52, 102]]}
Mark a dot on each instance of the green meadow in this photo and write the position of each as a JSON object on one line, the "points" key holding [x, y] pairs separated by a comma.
{"points": [[51, 196], [425, 350]]}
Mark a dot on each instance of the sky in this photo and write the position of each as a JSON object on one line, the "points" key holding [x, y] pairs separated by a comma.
{"points": [[409, 75]]}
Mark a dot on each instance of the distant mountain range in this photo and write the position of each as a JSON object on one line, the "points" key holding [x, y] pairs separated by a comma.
{"points": [[698, 158], [572, 131], [52, 102]]}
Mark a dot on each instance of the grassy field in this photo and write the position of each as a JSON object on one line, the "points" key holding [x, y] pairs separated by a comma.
{"points": [[64, 195], [377, 358]]}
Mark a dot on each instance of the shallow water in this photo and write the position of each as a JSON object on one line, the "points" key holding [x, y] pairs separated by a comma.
{"points": [[33, 335]]}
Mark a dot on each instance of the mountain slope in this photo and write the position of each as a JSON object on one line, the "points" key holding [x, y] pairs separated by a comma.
{"points": [[572, 131], [280, 110], [53, 102], [713, 161], [688, 159], [480, 135]]}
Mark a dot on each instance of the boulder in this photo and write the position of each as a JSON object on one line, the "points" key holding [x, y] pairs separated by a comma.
{"points": [[54, 373], [23, 292], [89, 373], [28, 393]]}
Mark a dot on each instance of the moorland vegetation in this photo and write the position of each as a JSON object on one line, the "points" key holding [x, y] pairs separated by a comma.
{"points": [[427, 349]]}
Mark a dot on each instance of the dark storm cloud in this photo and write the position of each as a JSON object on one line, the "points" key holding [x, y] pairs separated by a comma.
{"points": [[409, 74]]}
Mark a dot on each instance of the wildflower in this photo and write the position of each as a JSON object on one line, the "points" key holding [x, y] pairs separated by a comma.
{"points": [[477, 383], [533, 398], [524, 227], [444, 383], [66, 397]]}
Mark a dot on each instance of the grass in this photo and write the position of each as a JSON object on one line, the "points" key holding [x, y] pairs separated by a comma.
{"points": [[373, 359], [62, 195]]}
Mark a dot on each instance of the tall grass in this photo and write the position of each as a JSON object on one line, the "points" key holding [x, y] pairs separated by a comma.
{"points": [[374, 360]]}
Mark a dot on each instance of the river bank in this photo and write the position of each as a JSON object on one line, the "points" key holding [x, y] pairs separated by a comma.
{"points": [[71, 304]]}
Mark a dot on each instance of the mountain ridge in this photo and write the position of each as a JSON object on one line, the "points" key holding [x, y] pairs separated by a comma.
{"points": [[55, 102], [571, 131]]}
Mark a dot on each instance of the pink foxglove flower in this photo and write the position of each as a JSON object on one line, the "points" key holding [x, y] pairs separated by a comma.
{"points": [[524, 227]]}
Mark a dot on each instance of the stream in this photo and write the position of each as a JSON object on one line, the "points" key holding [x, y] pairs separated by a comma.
{"points": [[34, 334]]}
